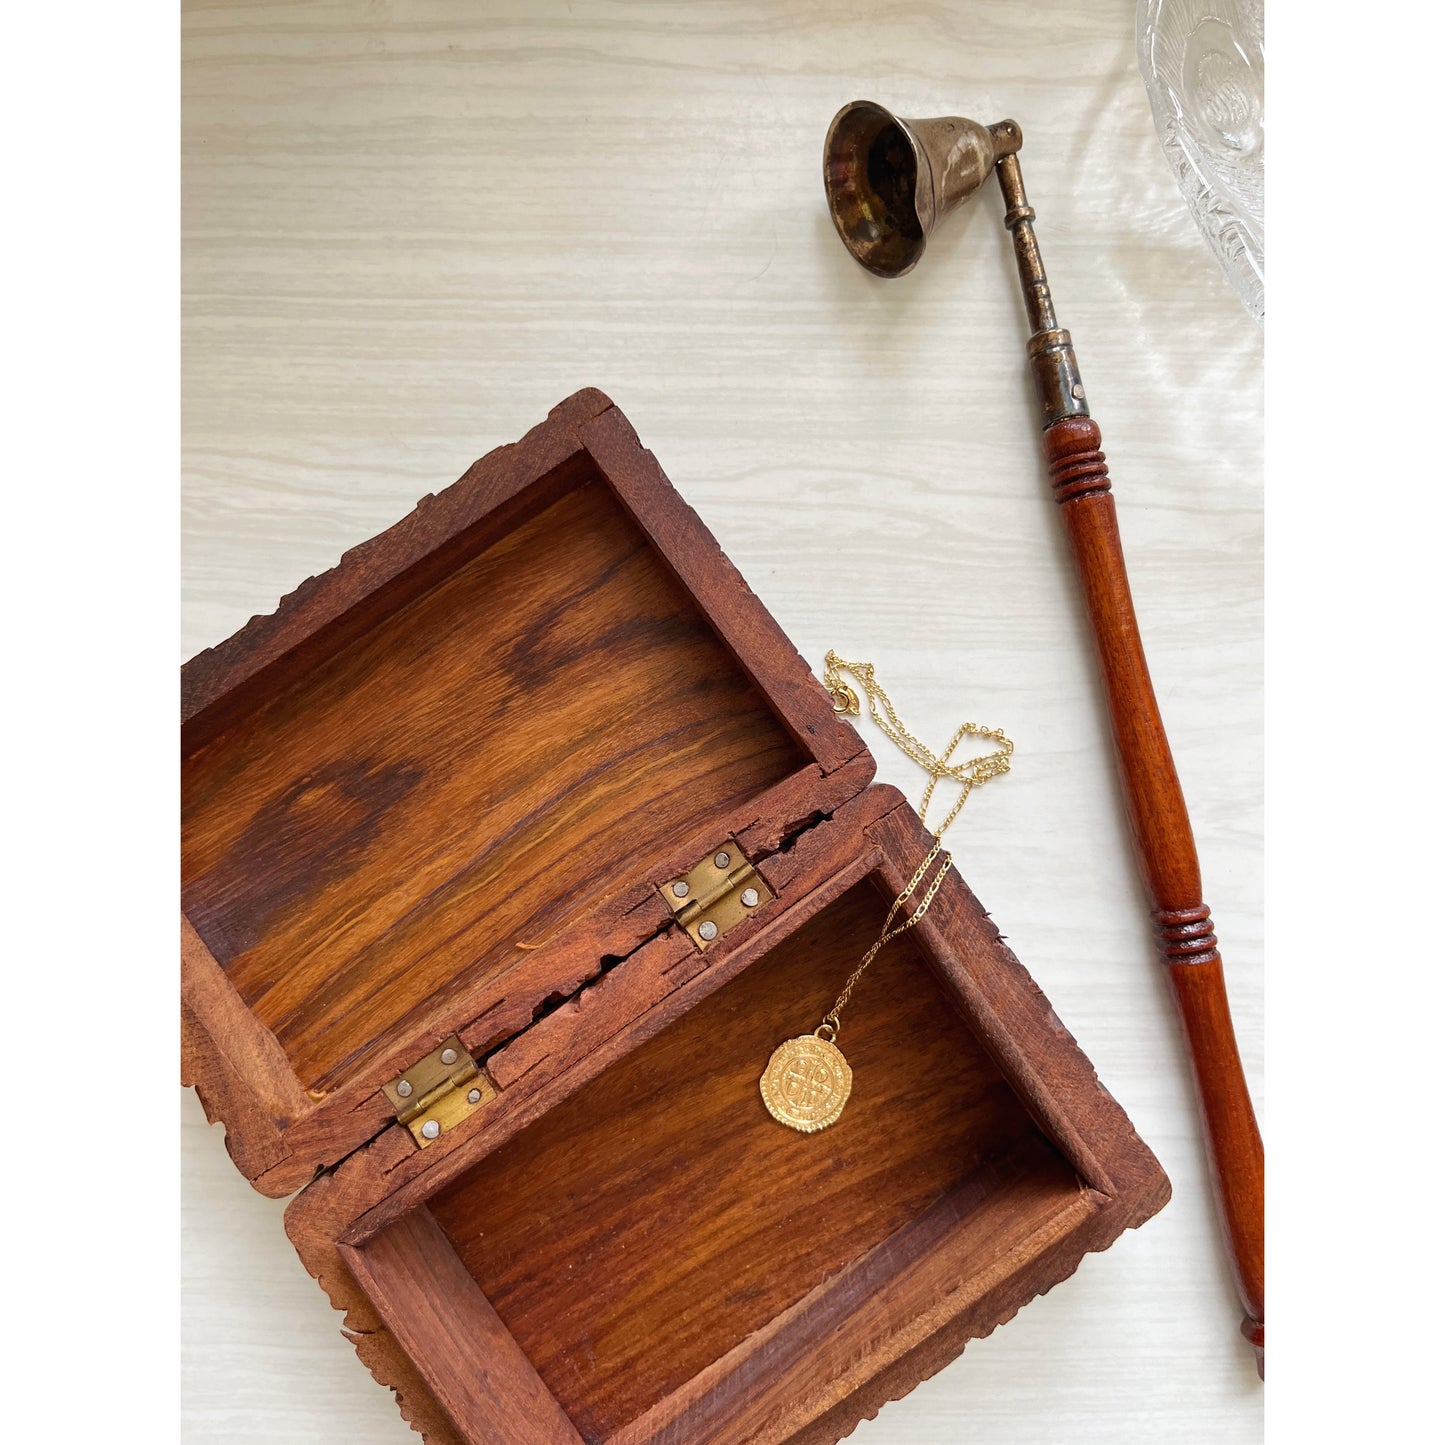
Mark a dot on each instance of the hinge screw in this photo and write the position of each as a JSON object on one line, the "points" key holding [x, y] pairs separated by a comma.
{"points": [[750, 897], [707, 930], [474, 1096], [680, 890], [430, 1129], [722, 860], [449, 1056], [404, 1088]]}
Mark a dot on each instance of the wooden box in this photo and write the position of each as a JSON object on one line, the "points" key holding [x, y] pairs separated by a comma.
{"points": [[431, 806]]}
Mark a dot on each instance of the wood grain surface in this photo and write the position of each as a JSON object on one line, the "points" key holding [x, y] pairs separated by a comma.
{"points": [[560, 671], [618, 1307], [656, 1244], [412, 228], [1168, 860]]}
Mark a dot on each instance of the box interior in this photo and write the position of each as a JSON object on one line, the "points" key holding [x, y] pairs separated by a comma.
{"points": [[647, 1226], [540, 725]]}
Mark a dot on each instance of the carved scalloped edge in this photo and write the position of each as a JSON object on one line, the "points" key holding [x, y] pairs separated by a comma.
{"points": [[252, 1141], [388, 1365], [216, 1118], [955, 1349], [374, 1344], [206, 1070]]}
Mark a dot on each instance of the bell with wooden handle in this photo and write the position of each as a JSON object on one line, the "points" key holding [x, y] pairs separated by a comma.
{"points": [[888, 183]]}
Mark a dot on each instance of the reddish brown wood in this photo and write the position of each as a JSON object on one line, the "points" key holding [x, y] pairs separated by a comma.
{"points": [[435, 1311], [402, 815], [616, 1013], [384, 781], [718, 590], [678, 1267], [550, 1226], [952, 1273], [437, 792], [387, 1178], [1164, 847], [237, 1069]]}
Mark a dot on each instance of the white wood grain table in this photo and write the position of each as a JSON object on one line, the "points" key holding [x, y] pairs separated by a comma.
{"points": [[413, 226]]}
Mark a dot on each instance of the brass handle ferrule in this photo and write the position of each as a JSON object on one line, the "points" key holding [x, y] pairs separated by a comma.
{"points": [[1052, 361]]}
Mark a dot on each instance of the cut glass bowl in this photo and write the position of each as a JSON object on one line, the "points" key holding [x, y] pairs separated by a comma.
{"points": [[1203, 66]]}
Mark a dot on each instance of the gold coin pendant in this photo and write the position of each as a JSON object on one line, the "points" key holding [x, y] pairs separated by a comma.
{"points": [[806, 1083]]}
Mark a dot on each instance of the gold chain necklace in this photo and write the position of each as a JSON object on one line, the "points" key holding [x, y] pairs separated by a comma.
{"points": [[807, 1080]]}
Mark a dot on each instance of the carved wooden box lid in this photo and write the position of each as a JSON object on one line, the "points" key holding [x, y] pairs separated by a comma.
{"points": [[437, 789]]}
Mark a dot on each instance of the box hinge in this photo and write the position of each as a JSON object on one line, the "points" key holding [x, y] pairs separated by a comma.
{"points": [[717, 894], [439, 1091]]}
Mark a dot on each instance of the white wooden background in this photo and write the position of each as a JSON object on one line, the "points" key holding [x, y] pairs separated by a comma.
{"points": [[413, 226]]}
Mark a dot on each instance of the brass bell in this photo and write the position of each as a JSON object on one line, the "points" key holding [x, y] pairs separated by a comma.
{"points": [[890, 181]]}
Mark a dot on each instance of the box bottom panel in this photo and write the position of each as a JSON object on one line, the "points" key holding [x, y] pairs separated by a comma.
{"points": [[647, 1227]]}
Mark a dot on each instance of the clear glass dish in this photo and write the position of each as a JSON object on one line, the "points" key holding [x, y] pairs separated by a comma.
{"points": [[1203, 66]]}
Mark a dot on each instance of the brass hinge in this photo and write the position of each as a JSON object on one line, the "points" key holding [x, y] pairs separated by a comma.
{"points": [[717, 894], [439, 1091]]}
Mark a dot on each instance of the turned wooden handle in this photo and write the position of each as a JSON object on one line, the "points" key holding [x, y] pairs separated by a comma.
{"points": [[1164, 847]]}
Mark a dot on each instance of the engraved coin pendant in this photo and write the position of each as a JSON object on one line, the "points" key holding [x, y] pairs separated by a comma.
{"points": [[806, 1083]]}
